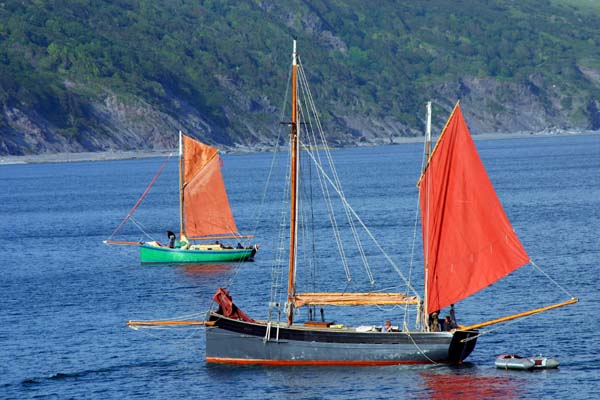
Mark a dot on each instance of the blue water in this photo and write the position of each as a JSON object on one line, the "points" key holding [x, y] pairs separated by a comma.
{"points": [[65, 296]]}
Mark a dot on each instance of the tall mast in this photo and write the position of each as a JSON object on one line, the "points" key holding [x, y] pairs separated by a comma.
{"points": [[426, 236], [293, 190], [181, 232]]}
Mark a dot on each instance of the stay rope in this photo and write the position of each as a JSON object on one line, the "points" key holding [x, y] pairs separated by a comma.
{"points": [[279, 245], [368, 231], [310, 104], [140, 227], [504, 324], [258, 210], [550, 279], [142, 197], [278, 241], [419, 348]]}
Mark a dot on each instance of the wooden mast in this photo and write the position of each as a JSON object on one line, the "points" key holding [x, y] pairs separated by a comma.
{"points": [[425, 245], [181, 230], [293, 191]]}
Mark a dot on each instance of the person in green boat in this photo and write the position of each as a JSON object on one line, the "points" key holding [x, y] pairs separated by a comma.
{"points": [[172, 238], [174, 243]]}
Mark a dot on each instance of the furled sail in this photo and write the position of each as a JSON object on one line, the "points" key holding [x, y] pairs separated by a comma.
{"points": [[205, 205], [468, 240], [352, 299]]}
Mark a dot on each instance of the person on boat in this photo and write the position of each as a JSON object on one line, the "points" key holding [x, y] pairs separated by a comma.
{"points": [[387, 326], [177, 244], [452, 315], [171, 236], [239, 246], [434, 325], [448, 324]]}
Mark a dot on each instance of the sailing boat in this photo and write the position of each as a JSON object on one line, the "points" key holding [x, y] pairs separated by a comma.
{"points": [[205, 214], [468, 245]]}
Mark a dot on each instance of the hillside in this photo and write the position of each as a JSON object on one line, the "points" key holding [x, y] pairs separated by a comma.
{"points": [[97, 75]]}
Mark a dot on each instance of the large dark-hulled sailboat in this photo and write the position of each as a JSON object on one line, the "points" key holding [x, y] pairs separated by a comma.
{"points": [[466, 248]]}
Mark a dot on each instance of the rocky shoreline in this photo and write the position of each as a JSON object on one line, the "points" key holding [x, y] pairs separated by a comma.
{"points": [[131, 155], [84, 156]]}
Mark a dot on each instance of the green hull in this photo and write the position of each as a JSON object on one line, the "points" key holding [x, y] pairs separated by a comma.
{"points": [[153, 254]]}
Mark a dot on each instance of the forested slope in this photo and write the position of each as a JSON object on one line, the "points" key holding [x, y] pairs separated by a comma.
{"points": [[88, 75]]}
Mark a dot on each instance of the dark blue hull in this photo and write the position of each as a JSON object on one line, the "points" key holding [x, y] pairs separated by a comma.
{"points": [[239, 342]]}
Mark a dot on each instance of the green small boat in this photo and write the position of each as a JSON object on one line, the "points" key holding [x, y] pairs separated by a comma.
{"points": [[153, 252], [205, 215]]}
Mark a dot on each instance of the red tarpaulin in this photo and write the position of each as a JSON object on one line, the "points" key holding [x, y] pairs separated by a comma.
{"points": [[227, 308]]}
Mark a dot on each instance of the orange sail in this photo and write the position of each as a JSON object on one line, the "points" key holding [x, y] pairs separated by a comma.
{"points": [[468, 240], [205, 205]]}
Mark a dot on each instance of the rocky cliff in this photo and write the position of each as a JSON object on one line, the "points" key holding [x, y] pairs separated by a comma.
{"points": [[102, 75]]}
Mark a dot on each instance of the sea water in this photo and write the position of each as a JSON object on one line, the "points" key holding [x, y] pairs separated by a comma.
{"points": [[65, 296]]}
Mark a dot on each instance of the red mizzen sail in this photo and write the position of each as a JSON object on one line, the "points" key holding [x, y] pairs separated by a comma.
{"points": [[468, 240], [206, 207]]}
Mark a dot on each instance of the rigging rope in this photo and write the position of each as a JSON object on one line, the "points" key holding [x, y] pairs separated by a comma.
{"points": [[368, 231], [258, 211], [278, 242], [336, 179], [310, 105], [142, 197], [313, 260], [141, 228], [334, 224], [419, 348], [551, 280], [279, 261]]}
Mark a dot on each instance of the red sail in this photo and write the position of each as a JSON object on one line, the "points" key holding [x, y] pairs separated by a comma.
{"points": [[205, 205], [468, 240]]}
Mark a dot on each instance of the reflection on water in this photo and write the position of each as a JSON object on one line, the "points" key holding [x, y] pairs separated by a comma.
{"points": [[207, 269], [466, 385]]}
